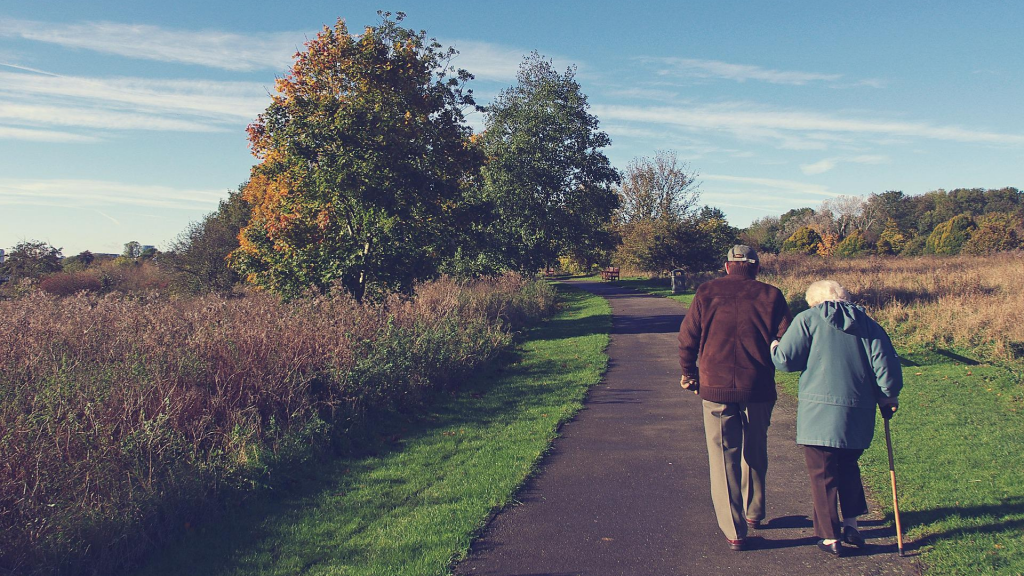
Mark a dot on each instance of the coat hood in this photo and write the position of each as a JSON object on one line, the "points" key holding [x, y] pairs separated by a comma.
{"points": [[844, 316]]}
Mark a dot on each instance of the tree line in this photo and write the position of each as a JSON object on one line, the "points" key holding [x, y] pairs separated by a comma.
{"points": [[964, 220], [368, 178]]}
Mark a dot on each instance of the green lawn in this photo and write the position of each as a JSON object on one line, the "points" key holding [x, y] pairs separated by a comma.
{"points": [[414, 507]]}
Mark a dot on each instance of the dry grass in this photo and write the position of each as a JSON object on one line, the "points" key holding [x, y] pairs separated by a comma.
{"points": [[122, 417], [966, 302]]}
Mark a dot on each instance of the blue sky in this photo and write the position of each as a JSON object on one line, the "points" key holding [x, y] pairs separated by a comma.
{"points": [[125, 121]]}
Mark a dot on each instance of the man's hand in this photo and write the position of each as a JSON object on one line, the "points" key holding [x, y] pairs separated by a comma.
{"points": [[689, 383], [888, 407], [773, 346]]}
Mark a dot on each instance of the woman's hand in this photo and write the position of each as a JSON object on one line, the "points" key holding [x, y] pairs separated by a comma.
{"points": [[888, 407]]}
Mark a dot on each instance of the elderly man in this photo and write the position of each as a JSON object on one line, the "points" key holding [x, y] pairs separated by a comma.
{"points": [[724, 355]]}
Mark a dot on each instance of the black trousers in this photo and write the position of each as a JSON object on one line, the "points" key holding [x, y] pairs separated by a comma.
{"points": [[834, 475]]}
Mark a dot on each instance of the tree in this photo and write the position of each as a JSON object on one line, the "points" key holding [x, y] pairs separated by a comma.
{"points": [[363, 155], [199, 255], [852, 246], [31, 259], [656, 200], [546, 176], [996, 232], [791, 221], [763, 235], [892, 239], [132, 250], [848, 214], [79, 262], [889, 205], [950, 236], [805, 241], [706, 238], [656, 188]]}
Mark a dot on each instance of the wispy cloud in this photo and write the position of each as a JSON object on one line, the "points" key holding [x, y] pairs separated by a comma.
{"points": [[33, 135], [34, 103], [819, 167], [26, 69], [826, 164], [738, 72], [211, 48], [225, 100], [33, 114], [99, 193], [792, 186], [804, 128]]}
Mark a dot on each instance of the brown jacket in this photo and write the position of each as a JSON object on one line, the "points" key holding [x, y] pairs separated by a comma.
{"points": [[728, 329]]}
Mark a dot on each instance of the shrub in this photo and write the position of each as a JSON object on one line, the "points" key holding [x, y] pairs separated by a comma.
{"points": [[949, 237], [996, 232], [852, 246], [66, 284], [891, 240], [804, 241], [125, 416]]}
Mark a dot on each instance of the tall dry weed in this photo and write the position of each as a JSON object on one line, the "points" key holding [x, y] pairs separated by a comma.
{"points": [[968, 302], [121, 417]]}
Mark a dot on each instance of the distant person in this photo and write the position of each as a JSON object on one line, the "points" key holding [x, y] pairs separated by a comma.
{"points": [[724, 354], [849, 366]]}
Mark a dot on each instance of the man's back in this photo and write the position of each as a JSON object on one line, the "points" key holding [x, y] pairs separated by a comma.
{"points": [[729, 327]]}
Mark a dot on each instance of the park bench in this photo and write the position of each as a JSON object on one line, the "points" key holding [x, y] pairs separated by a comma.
{"points": [[610, 273]]}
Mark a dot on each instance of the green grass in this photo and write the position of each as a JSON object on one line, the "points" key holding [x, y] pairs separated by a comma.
{"points": [[414, 506]]}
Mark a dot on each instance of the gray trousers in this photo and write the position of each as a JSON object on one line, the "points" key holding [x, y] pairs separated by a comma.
{"points": [[737, 437]]}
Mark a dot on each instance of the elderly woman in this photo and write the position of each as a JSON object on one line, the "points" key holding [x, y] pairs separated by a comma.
{"points": [[849, 366]]}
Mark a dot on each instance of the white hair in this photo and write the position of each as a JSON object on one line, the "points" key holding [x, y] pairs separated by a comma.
{"points": [[823, 290]]}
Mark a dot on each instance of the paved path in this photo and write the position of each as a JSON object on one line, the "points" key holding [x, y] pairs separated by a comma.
{"points": [[625, 489]]}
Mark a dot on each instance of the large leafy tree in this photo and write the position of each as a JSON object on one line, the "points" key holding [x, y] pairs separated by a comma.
{"points": [[363, 155], [546, 176], [31, 259]]}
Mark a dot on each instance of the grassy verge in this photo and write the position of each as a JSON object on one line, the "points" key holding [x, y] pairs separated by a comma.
{"points": [[414, 505]]}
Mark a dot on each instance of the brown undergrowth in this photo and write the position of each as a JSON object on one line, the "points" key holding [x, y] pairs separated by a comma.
{"points": [[964, 302], [123, 418]]}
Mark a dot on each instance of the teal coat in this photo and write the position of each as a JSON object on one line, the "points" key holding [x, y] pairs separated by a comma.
{"points": [[848, 365]]}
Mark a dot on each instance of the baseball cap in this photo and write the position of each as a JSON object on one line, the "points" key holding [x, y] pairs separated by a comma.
{"points": [[742, 253]]}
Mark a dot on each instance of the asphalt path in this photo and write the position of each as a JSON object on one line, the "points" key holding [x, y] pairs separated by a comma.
{"points": [[625, 488]]}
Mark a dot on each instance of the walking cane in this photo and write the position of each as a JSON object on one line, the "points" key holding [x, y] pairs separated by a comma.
{"points": [[892, 476]]}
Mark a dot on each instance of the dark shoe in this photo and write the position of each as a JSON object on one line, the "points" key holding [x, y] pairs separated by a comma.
{"points": [[753, 524], [737, 545], [852, 537], [835, 548]]}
